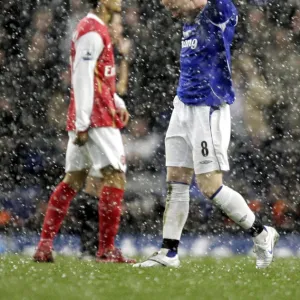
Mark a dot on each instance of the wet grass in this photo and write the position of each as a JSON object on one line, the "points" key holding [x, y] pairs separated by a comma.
{"points": [[207, 278]]}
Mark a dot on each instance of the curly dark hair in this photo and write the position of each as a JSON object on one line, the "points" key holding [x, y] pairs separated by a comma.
{"points": [[93, 3]]}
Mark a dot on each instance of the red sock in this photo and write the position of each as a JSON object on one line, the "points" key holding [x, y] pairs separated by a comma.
{"points": [[56, 211], [109, 217]]}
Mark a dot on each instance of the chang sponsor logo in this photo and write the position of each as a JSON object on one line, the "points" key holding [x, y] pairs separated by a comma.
{"points": [[192, 43]]}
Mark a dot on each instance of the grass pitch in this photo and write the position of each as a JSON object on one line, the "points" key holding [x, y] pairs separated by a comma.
{"points": [[206, 278]]}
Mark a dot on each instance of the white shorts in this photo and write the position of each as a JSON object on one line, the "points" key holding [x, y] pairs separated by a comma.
{"points": [[198, 137], [103, 148]]}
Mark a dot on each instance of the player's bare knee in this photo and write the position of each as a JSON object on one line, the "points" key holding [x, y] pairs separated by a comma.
{"points": [[178, 174], [207, 190], [116, 179], [113, 177], [209, 183], [93, 186], [75, 179]]}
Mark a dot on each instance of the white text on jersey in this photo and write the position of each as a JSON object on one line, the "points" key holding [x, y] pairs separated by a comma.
{"points": [[192, 43], [110, 71]]}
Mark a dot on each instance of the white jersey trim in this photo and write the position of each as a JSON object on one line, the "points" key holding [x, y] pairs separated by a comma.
{"points": [[93, 16], [221, 25]]}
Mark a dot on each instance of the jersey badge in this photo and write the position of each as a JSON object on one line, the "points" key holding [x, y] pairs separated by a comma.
{"points": [[87, 55]]}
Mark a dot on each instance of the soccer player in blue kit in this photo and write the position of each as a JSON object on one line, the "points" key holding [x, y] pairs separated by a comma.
{"points": [[199, 131]]}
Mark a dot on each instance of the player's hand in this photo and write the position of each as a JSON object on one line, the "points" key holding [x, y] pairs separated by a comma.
{"points": [[81, 138], [124, 115]]}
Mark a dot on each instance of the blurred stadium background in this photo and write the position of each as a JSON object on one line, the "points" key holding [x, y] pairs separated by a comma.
{"points": [[34, 95]]}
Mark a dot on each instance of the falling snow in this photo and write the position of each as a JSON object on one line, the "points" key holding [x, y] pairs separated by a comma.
{"points": [[264, 153]]}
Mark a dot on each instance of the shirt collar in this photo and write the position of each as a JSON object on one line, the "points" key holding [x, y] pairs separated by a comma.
{"points": [[93, 16]]}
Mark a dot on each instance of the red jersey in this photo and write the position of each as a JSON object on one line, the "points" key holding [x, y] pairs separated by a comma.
{"points": [[103, 110]]}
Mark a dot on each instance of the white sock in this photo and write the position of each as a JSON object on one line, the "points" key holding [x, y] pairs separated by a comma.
{"points": [[176, 211], [234, 206]]}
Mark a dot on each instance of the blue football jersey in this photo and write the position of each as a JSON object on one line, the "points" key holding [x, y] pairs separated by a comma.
{"points": [[205, 59]]}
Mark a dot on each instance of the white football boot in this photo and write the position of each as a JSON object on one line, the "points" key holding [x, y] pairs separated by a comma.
{"points": [[264, 250], [160, 259]]}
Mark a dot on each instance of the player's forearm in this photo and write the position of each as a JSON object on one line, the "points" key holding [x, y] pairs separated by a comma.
{"points": [[123, 77]]}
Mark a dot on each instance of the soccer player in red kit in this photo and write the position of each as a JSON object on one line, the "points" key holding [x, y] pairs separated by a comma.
{"points": [[95, 117]]}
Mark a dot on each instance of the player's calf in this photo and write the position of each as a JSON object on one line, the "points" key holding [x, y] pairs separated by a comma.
{"points": [[110, 208], [236, 208], [175, 216]]}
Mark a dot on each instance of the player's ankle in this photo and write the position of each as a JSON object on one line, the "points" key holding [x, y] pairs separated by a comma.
{"points": [[170, 244], [45, 245], [109, 249], [102, 251], [256, 229]]}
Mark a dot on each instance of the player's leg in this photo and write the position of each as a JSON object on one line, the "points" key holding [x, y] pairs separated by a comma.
{"points": [[179, 176], [109, 210], [175, 216], [93, 184], [210, 159], [177, 206], [57, 209], [60, 199], [231, 202], [236, 208], [87, 213], [108, 156]]}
